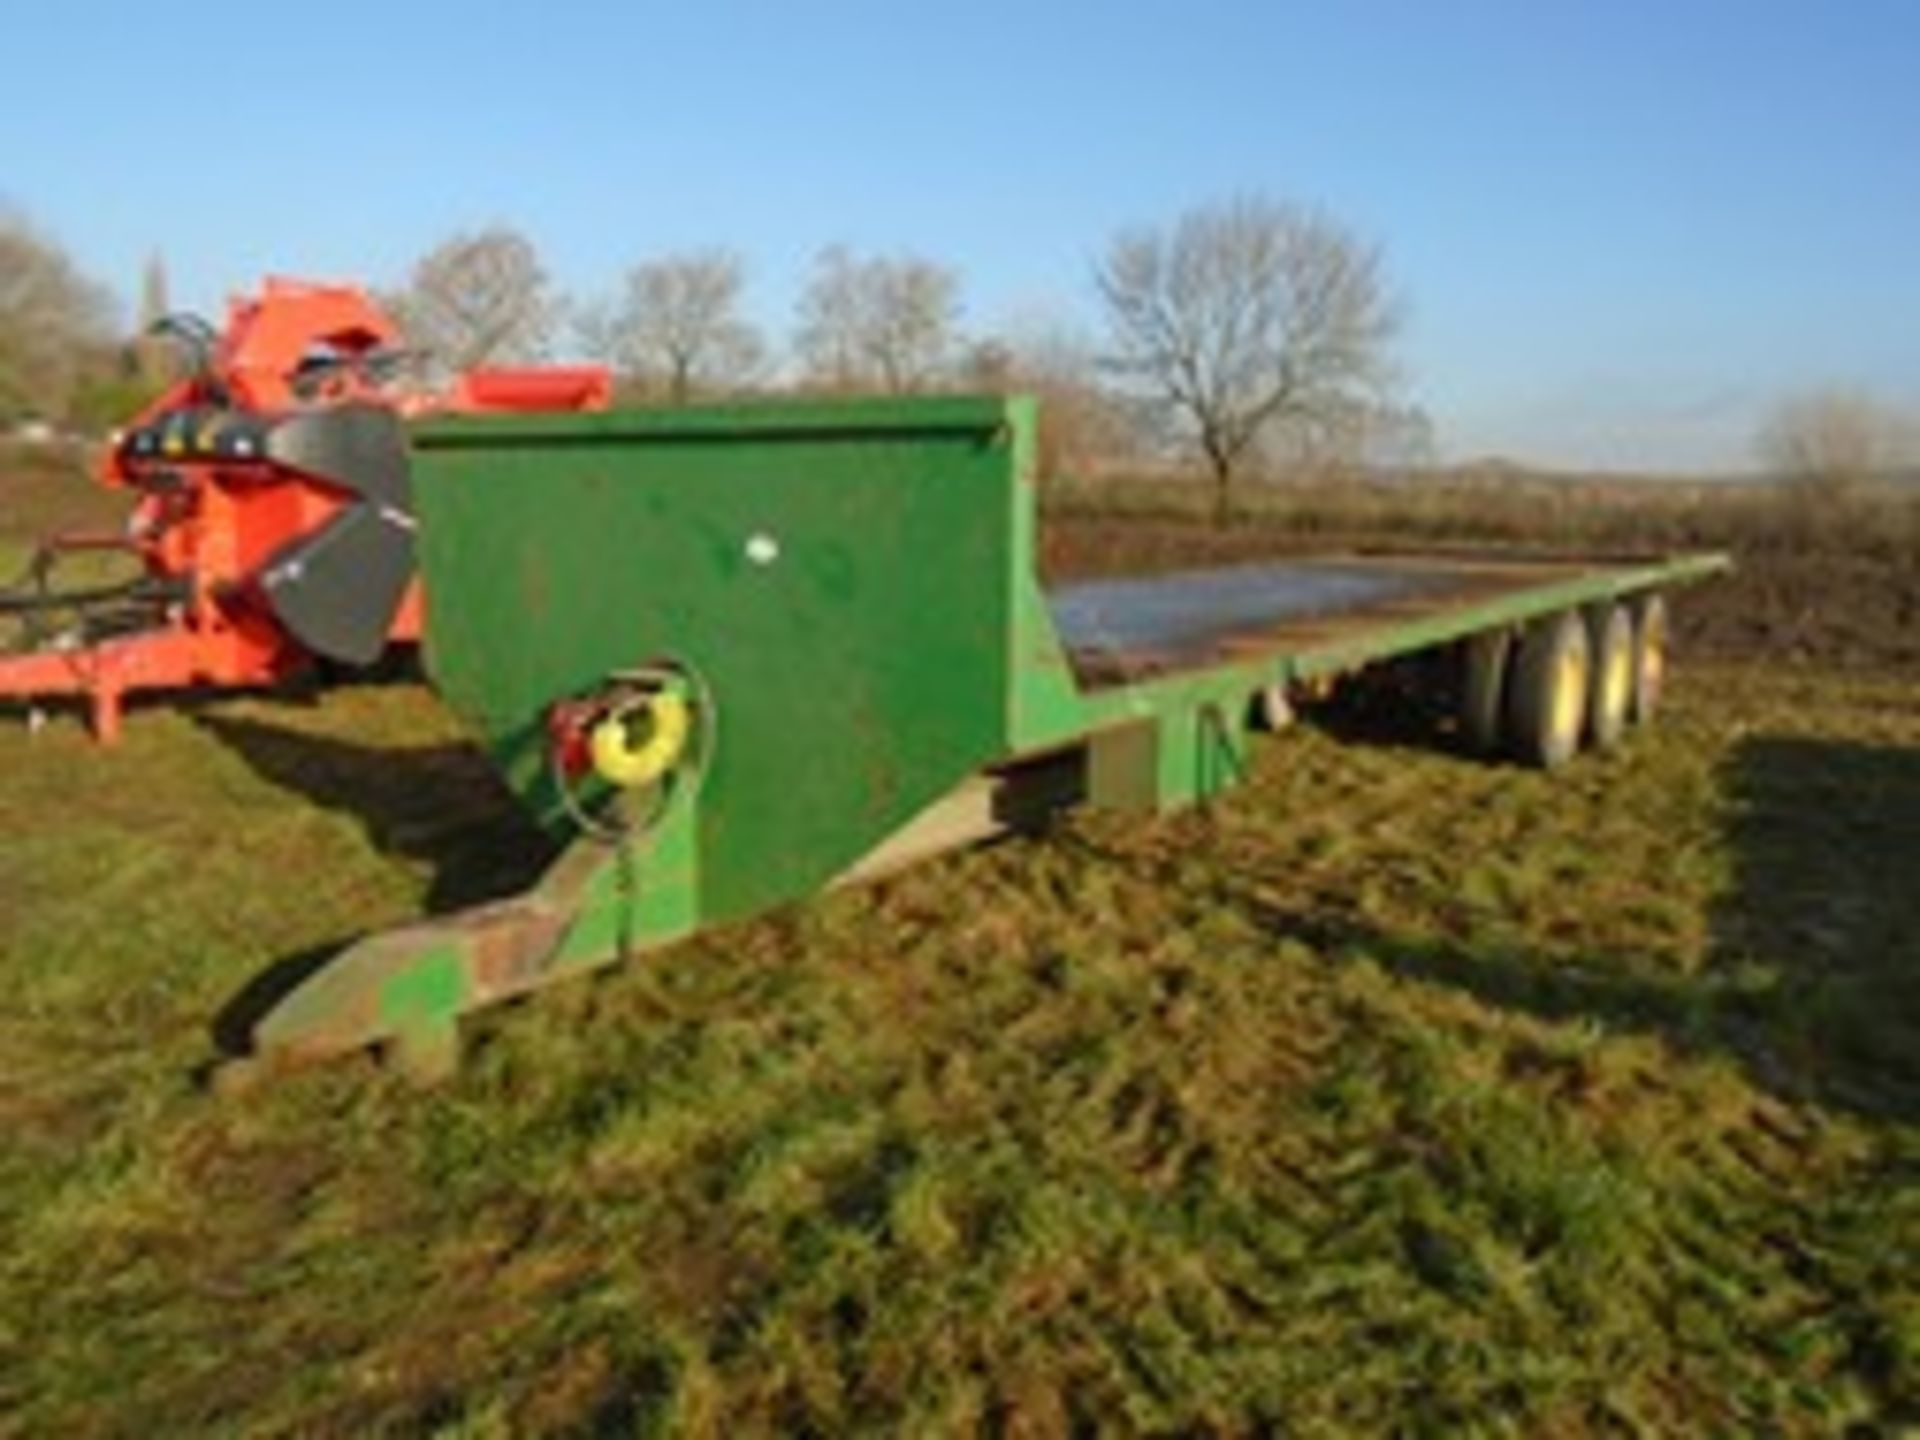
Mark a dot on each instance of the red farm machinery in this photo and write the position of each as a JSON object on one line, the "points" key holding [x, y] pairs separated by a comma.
{"points": [[271, 525]]}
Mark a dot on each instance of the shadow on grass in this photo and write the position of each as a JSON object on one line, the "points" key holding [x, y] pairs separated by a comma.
{"points": [[1826, 836], [1814, 978], [232, 1026], [438, 804], [1813, 983]]}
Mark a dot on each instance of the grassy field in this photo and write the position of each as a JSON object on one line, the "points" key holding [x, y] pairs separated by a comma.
{"points": [[1394, 1094]]}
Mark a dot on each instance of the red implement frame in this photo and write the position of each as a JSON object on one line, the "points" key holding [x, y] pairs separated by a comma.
{"points": [[204, 520]]}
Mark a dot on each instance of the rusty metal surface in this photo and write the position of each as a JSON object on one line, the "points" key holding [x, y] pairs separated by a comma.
{"points": [[1113, 629]]}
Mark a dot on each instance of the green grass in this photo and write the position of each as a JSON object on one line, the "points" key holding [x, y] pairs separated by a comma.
{"points": [[46, 489], [1394, 1094]]}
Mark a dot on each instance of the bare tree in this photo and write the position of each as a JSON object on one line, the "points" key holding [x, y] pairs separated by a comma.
{"points": [[55, 324], [886, 323], [1832, 441], [151, 357], [1246, 316], [676, 327], [479, 299]]}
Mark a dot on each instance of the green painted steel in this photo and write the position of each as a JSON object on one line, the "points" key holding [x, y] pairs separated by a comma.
{"points": [[852, 587]]}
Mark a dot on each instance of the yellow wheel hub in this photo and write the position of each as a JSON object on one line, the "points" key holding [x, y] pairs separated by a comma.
{"points": [[1618, 685], [1569, 695], [640, 742]]}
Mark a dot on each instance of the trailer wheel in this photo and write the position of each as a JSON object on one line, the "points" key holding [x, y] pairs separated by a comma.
{"points": [[1271, 709], [1485, 660], [1649, 657], [1610, 704], [1547, 709]]}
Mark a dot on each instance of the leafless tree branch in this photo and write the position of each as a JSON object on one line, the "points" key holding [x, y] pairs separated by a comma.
{"points": [[54, 322], [479, 299], [676, 329], [877, 324], [1242, 317]]}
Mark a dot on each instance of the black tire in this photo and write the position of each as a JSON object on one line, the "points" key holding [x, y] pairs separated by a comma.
{"points": [[1649, 658], [1547, 697], [1485, 660], [1610, 633]]}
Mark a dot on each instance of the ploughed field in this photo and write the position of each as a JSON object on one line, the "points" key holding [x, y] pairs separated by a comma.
{"points": [[1396, 1092]]}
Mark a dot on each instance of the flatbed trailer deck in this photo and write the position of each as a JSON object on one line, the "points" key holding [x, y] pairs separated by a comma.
{"points": [[738, 655], [1327, 613]]}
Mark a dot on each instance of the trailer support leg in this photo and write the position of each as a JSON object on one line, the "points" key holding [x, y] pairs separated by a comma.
{"points": [[107, 711], [427, 1051]]}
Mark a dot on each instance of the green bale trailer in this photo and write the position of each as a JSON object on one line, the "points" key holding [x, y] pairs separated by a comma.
{"points": [[743, 654]]}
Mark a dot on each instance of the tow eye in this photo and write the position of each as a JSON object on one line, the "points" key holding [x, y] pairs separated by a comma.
{"points": [[640, 738], [618, 753]]}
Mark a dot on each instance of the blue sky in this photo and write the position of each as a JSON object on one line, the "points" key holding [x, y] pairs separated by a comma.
{"points": [[1621, 229]]}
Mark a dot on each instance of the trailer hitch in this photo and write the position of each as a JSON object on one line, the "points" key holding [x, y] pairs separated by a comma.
{"points": [[615, 754], [628, 758]]}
